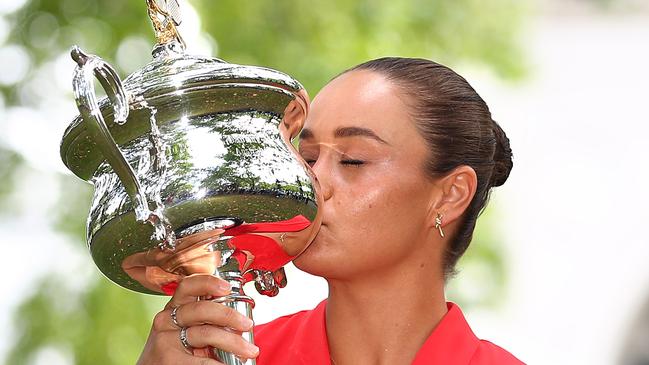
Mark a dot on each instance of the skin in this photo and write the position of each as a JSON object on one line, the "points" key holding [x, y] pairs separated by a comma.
{"points": [[378, 247]]}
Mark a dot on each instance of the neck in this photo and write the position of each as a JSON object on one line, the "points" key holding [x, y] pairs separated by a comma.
{"points": [[383, 318]]}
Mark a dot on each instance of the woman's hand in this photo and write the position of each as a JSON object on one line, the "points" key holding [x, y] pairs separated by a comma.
{"points": [[208, 324]]}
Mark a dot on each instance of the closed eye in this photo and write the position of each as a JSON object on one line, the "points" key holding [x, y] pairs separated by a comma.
{"points": [[342, 162], [352, 162]]}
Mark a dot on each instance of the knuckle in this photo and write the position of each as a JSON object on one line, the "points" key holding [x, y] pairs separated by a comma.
{"points": [[160, 345], [204, 307], [191, 280], [184, 282], [212, 284], [204, 331], [229, 313], [159, 321], [195, 283]]}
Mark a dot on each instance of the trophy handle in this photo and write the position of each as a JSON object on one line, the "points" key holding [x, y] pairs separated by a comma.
{"points": [[88, 67]]}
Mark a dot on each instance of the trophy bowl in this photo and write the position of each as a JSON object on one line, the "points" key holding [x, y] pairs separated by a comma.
{"points": [[194, 170]]}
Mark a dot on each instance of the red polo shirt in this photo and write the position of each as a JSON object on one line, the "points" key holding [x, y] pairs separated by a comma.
{"points": [[301, 339]]}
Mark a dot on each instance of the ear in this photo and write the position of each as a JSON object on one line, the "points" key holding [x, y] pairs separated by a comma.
{"points": [[457, 190]]}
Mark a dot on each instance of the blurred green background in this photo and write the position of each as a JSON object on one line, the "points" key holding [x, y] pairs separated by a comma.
{"points": [[100, 323]]}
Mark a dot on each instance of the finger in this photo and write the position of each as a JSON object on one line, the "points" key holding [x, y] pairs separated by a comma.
{"points": [[202, 361], [208, 312], [194, 286], [188, 359], [196, 360], [164, 322], [204, 352], [167, 349], [208, 335], [202, 312]]}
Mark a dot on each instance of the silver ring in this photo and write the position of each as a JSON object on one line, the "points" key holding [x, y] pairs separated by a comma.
{"points": [[185, 342], [174, 317]]}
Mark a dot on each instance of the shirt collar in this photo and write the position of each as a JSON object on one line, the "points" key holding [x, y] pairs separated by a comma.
{"points": [[452, 342]]}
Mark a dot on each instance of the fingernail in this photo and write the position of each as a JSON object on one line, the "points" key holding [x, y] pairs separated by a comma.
{"points": [[224, 285], [254, 350], [247, 322]]}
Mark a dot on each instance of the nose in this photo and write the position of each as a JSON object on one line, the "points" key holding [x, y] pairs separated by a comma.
{"points": [[323, 177]]}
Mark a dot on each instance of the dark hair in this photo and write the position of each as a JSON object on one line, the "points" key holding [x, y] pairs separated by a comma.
{"points": [[457, 126]]}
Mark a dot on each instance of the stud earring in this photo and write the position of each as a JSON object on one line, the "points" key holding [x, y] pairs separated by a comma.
{"points": [[438, 224]]}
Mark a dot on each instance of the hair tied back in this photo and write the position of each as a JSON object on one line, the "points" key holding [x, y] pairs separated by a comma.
{"points": [[502, 157]]}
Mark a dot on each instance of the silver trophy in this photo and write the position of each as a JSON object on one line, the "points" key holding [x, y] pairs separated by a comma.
{"points": [[193, 168]]}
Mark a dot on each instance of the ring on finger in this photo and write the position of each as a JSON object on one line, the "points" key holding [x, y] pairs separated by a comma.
{"points": [[174, 317], [185, 342]]}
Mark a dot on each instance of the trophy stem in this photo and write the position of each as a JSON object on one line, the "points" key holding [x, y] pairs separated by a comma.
{"points": [[243, 304], [230, 271]]}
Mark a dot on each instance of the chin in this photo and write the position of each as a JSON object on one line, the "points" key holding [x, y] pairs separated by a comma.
{"points": [[303, 265], [316, 259]]}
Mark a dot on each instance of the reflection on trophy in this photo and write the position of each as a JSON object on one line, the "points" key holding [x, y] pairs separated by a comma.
{"points": [[193, 168]]}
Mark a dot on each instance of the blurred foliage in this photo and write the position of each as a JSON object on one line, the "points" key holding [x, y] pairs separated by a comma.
{"points": [[103, 325], [10, 162], [72, 205], [99, 323], [315, 40], [310, 40]]}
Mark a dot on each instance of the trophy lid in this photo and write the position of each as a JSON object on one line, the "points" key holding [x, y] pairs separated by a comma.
{"points": [[172, 75]]}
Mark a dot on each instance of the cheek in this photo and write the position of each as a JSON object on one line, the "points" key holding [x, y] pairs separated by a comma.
{"points": [[372, 223], [380, 206]]}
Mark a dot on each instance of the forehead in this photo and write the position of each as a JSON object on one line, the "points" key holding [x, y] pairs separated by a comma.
{"points": [[361, 99]]}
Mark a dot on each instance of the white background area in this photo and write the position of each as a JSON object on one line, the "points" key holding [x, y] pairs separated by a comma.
{"points": [[576, 202], [574, 211]]}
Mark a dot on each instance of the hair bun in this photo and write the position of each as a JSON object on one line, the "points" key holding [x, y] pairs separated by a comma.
{"points": [[502, 157]]}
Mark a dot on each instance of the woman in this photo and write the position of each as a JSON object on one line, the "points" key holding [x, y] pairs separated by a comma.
{"points": [[406, 153]]}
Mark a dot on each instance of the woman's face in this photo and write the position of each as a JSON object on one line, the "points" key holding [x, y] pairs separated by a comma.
{"points": [[369, 159]]}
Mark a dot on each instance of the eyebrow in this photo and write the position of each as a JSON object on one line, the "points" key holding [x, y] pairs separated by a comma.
{"points": [[343, 132]]}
